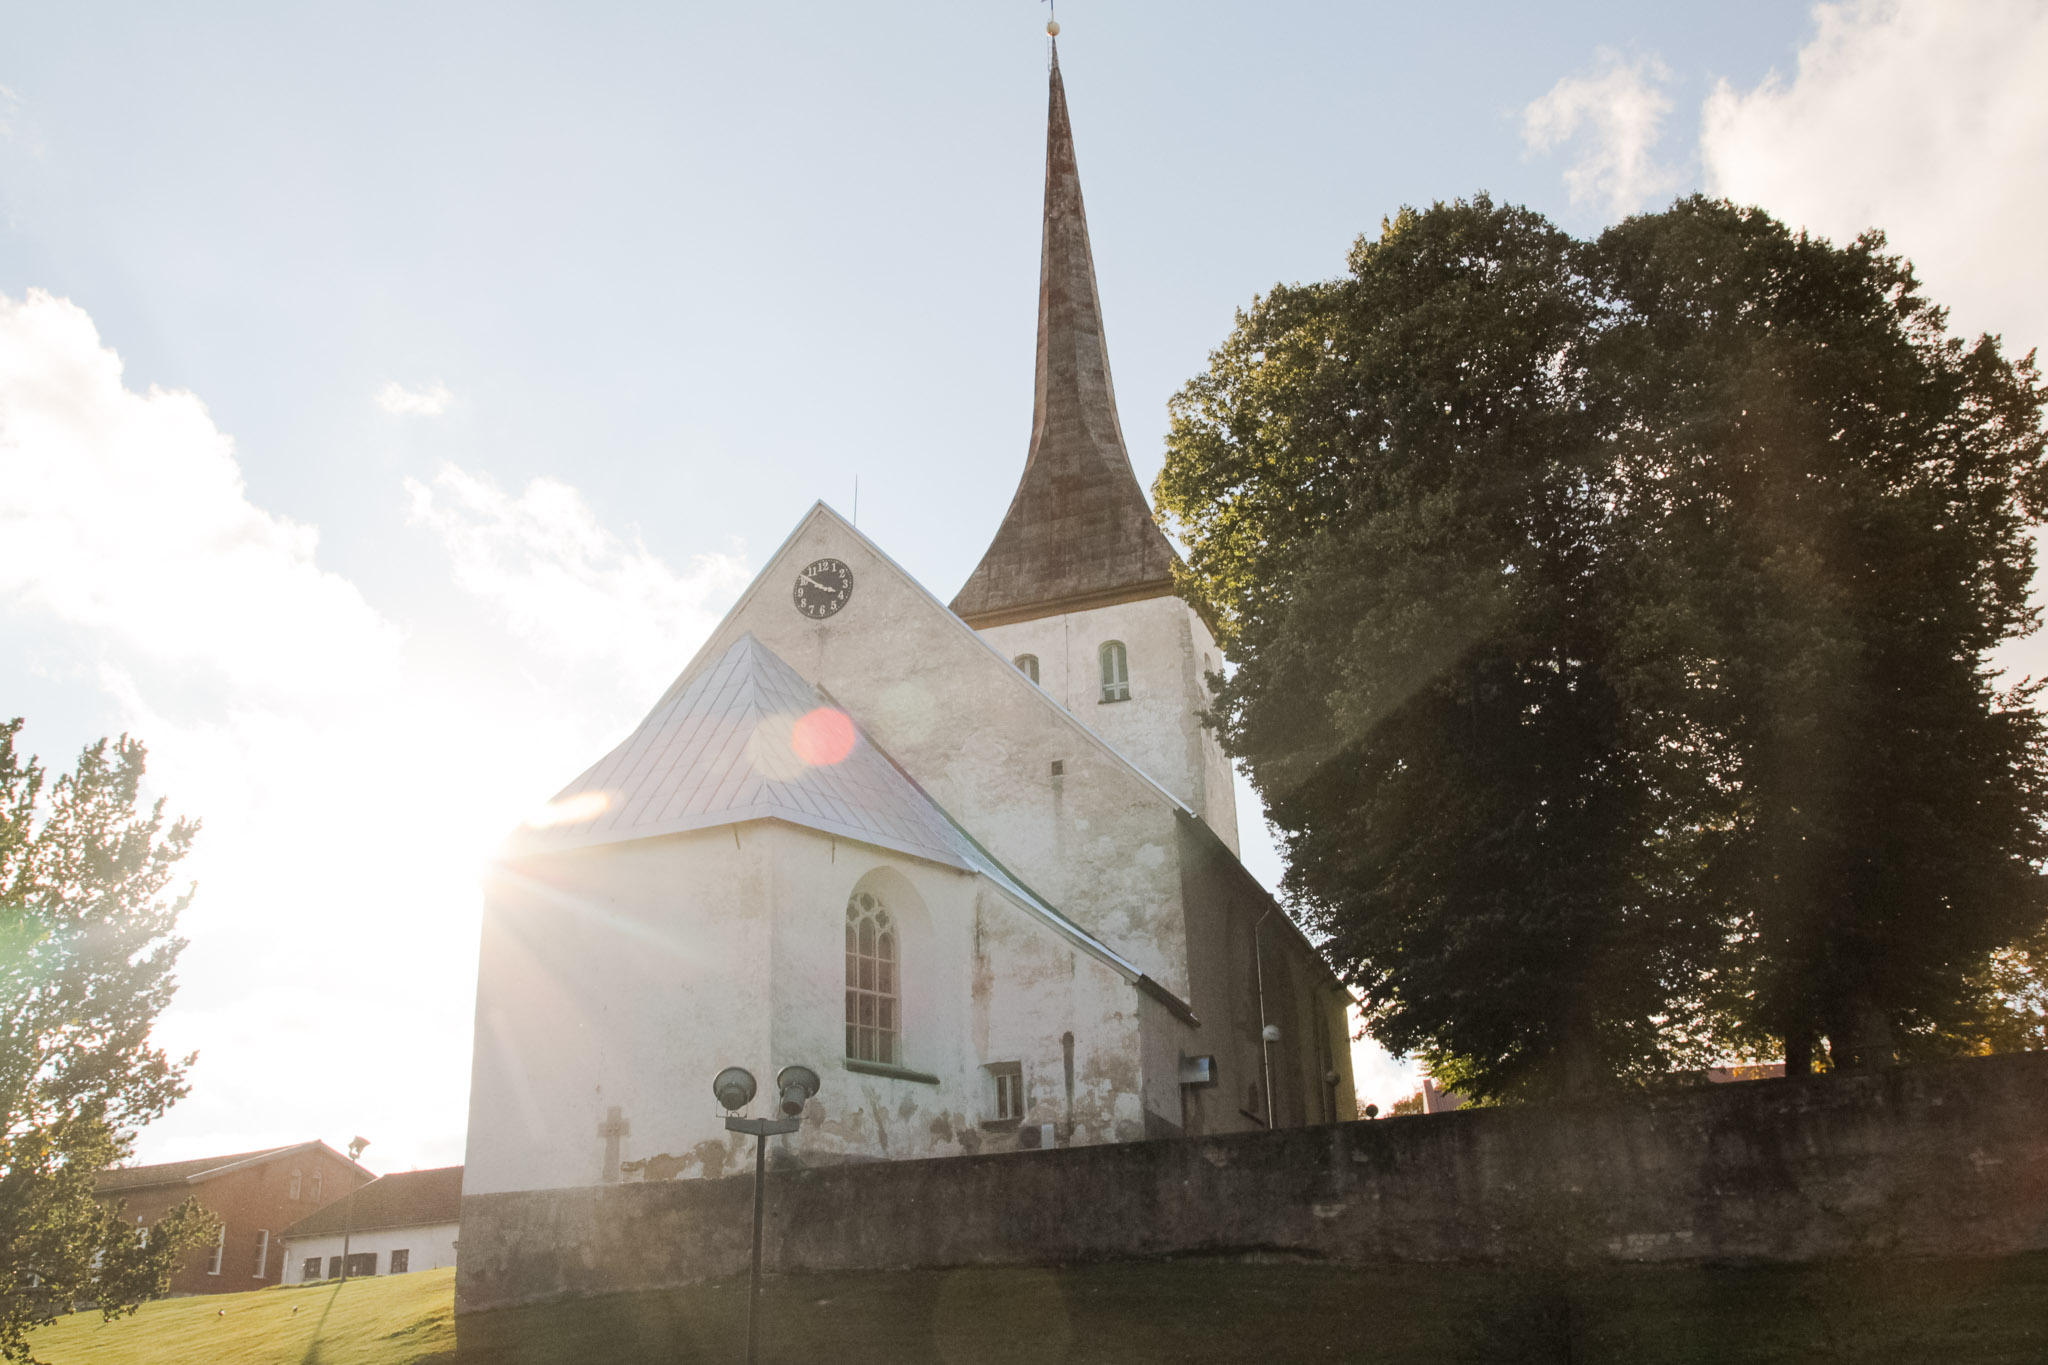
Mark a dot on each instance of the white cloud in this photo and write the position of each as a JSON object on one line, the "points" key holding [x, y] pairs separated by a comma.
{"points": [[1926, 118], [430, 400], [124, 515], [566, 584], [351, 780], [13, 128], [1613, 118]]}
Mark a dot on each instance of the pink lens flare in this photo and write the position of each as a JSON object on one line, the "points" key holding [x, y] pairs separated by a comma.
{"points": [[823, 737]]}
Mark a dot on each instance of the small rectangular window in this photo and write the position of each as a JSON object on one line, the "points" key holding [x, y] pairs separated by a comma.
{"points": [[1027, 664], [295, 1185], [220, 1246], [316, 1186], [334, 1267], [310, 1271], [1009, 1084], [262, 1252], [401, 1260], [362, 1263]]}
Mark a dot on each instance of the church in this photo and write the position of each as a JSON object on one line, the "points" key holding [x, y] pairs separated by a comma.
{"points": [[974, 863]]}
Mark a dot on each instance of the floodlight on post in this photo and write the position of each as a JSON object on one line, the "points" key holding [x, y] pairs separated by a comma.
{"points": [[796, 1085], [348, 1213], [734, 1089]]}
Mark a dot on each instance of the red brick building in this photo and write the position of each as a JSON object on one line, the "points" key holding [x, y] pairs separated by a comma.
{"points": [[256, 1195]]}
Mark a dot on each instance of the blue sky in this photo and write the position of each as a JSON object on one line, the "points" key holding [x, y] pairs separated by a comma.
{"points": [[472, 357]]}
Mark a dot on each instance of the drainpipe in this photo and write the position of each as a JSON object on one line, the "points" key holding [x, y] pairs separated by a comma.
{"points": [[1265, 1037]]}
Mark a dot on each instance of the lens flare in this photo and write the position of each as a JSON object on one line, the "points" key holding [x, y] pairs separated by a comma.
{"points": [[576, 809], [823, 737]]}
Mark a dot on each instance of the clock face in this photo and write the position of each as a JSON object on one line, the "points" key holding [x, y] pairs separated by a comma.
{"points": [[822, 587]]}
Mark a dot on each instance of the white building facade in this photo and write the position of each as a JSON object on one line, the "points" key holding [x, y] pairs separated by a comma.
{"points": [[398, 1224]]}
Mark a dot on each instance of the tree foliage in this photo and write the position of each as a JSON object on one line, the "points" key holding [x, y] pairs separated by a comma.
{"points": [[87, 946], [1611, 621]]}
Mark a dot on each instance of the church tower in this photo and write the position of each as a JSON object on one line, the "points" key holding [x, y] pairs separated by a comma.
{"points": [[1077, 586]]}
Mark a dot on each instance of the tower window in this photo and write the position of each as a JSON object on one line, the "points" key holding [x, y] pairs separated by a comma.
{"points": [[1027, 664], [872, 1027], [1116, 673]]}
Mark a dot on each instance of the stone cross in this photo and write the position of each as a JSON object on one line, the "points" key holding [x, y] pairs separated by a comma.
{"points": [[611, 1130]]}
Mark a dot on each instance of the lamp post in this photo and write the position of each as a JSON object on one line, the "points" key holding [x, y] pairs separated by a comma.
{"points": [[734, 1088], [348, 1213]]}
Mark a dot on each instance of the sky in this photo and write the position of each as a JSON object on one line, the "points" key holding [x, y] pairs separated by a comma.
{"points": [[393, 396]]}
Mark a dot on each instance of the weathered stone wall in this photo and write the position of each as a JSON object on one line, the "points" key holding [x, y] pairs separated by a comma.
{"points": [[1938, 1160]]}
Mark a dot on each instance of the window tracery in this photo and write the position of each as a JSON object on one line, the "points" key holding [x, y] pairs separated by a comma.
{"points": [[873, 1025]]}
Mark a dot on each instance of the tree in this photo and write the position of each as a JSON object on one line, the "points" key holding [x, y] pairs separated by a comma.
{"points": [[1545, 622], [1834, 500], [87, 947]]}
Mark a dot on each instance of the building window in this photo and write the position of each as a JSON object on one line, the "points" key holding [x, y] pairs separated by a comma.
{"points": [[310, 1271], [316, 1187], [362, 1263], [334, 1267], [1027, 664], [1009, 1082], [872, 1026], [220, 1246], [295, 1185], [401, 1261], [262, 1252], [1116, 673]]}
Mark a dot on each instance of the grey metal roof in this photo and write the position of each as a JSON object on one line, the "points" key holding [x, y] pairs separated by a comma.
{"points": [[724, 748], [1079, 532]]}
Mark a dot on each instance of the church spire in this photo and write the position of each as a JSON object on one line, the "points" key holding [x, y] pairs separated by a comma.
{"points": [[1079, 532]]}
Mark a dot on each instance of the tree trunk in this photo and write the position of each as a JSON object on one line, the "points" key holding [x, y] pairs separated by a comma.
{"points": [[1799, 1052]]}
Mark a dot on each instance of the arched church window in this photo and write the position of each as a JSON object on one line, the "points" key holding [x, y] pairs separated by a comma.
{"points": [[873, 1029], [1027, 664], [1116, 673]]}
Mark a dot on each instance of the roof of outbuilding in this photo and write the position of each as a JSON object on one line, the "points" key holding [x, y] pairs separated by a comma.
{"points": [[403, 1199], [118, 1179], [1079, 532]]}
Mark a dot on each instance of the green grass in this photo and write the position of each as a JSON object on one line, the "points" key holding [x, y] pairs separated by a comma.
{"points": [[389, 1320], [1897, 1313]]}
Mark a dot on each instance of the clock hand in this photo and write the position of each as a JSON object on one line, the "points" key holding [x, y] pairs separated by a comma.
{"points": [[813, 582]]}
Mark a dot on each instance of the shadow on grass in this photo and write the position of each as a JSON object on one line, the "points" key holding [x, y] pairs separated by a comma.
{"points": [[1212, 1310]]}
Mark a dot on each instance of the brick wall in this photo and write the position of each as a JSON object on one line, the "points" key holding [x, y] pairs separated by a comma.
{"points": [[250, 1201]]}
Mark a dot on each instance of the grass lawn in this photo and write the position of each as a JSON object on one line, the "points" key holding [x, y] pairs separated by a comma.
{"points": [[389, 1320], [1947, 1313]]}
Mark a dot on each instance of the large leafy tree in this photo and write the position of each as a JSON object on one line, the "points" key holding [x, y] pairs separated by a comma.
{"points": [[1578, 589], [87, 946]]}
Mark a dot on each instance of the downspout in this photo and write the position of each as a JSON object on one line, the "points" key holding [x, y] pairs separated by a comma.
{"points": [[1265, 1037]]}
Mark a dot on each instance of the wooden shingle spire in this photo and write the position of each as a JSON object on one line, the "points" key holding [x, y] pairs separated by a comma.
{"points": [[1079, 532]]}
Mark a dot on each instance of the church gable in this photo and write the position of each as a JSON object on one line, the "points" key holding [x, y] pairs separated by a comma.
{"points": [[1047, 796]]}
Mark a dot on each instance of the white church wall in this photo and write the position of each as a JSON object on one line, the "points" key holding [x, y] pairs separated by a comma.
{"points": [[623, 976], [982, 981], [428, 1247], [1168, 649], [1097, 840], [628, 974]]}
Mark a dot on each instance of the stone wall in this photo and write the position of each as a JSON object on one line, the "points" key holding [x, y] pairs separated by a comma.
{"points": [[1938, 1160]]}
